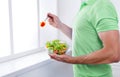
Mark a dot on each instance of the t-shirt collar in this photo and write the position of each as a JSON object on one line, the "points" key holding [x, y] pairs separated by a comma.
{"points": [[89, 1]]}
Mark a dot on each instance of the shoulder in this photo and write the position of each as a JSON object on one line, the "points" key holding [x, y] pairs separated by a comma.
{"points": [[105, 5], [104, 8]]}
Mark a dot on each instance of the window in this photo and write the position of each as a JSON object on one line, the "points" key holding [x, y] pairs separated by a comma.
{"points": [[19, 25], [25, 25], [4, 29]]}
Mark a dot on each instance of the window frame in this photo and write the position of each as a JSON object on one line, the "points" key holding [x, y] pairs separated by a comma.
{"points": [[22, 54]]}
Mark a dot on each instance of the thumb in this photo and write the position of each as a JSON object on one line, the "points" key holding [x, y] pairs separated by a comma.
{"points": [[51, 15]]}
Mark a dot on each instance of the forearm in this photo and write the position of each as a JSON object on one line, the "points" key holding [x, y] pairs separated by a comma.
{"points": [[110, 52], [66, 30], [98, 57]]}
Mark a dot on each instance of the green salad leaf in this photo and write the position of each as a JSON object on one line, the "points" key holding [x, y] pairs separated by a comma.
{"points": [[56, 46]]}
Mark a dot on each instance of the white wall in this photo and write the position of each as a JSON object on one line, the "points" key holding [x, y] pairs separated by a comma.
{"points": [[67, 9]]}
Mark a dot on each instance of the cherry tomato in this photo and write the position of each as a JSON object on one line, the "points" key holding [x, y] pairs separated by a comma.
{"points": [[42, 24]]}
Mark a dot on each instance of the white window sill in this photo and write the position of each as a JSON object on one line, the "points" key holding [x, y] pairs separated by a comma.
{"points": [[10, 67]]}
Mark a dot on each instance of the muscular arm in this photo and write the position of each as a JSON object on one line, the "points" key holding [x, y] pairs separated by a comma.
{"points": [[108, 54]]}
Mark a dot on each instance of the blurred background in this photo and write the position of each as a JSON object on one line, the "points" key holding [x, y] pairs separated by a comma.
{"points": [[22, 36]]}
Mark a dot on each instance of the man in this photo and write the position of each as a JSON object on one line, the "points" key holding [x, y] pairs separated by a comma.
{"points": [[95, 38]]}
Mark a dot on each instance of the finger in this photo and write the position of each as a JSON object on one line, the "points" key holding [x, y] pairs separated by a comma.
{"points": [[52, 56], [55, 57], [58, 57], [50, 20], [50, 15]]}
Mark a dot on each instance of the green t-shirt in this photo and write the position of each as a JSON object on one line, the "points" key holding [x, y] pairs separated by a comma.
{"points": [[94, 16]]}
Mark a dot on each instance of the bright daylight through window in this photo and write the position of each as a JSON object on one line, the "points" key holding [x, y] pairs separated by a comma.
{"points": [[19, 25]]}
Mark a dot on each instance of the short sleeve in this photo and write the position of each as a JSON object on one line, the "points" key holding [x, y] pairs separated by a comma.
{"points": [[107, 24], [106, 18]]}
